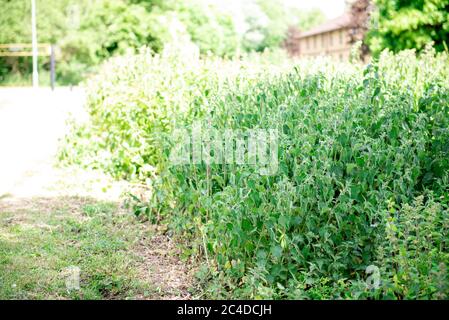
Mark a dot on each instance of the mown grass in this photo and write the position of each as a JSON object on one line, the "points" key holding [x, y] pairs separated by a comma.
{"points": [[38, 245]]}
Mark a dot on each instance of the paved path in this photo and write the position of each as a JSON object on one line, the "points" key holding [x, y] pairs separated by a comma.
{"points": [[31, 122]]}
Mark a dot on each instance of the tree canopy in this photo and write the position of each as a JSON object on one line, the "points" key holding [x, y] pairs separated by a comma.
{"points": [[89, 31], [406, 24]]}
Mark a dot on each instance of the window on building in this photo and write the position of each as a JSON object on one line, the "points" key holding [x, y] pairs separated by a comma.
{"points": [[331, 38], [307, 43], [341, 36], [323, 40], [314, 42]]}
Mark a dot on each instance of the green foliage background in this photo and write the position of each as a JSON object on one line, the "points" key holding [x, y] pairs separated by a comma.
{"points": [[87, 32], [405, 24]]}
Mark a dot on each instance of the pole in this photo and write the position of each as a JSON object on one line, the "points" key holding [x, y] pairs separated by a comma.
{"points": [[52, 67], [34, 43]]}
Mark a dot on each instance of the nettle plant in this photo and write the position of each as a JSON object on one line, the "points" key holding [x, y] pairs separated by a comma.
{"points": [[415, 255], [354, 144], [349, 144]]}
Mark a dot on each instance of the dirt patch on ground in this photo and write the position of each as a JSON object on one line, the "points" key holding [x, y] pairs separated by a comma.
{"points": [[161, 266]]}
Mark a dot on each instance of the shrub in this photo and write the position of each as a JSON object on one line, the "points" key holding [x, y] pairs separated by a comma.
{"points": [[355, 143]]}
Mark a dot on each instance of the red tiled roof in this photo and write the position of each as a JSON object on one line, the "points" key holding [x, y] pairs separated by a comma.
{"points": [[334, 24]]}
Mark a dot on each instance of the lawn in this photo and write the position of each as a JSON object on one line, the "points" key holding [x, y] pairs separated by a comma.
{"points": [[39, 246]]}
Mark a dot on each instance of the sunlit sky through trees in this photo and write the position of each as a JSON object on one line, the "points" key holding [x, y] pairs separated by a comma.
{"points": [[331, 8]]}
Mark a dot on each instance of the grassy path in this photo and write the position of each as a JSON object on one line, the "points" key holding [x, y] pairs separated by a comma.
{"points": [[117, 257], [64, 227]]}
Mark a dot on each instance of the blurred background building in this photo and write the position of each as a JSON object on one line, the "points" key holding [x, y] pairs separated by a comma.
{"points": [[328, 39]]}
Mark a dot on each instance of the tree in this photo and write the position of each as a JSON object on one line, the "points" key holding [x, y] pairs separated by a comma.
{"points": [[271, 21], [102, 28], [307, 19], [360, 13], [407, 24], [278, 21], [292, 43], [211, 29]]}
